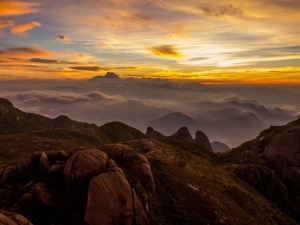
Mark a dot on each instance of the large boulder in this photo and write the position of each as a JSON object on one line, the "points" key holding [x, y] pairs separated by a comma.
{"points": [[7, 218], [111, 201], [82, 166], [44, 195], [135, 162]]}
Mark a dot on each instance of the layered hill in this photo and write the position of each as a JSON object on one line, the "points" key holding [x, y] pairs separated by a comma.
{"points": [[121, 176]]}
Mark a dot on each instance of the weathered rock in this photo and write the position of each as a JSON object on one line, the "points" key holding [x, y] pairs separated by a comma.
{"points": [[56, 170], [284, 150], [137, 163], [26, 201], [183, 134], [110, 201], [44, 162], [116, 150], [143, 172], [13, 219], [112, 166], [265, 180], [203, 140], [7, 172], [44, 195], [83, 165]]}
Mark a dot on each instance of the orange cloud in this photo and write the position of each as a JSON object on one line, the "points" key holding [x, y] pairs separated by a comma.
{"points": [[165, 51], [21, 29], [63, 37], [13, 8], [22, 52], [5, 23]]}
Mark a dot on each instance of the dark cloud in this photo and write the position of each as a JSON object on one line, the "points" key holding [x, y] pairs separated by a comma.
{"points": [[63, 37], [165, 51], [87, 68], [52, 61], [39, 60], [5, 23], [219, 11], [60, 97]]}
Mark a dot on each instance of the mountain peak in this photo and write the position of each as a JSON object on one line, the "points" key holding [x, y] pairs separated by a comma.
{"points": [[5, 103], [108, 75], [183, 134], [202, 139]]}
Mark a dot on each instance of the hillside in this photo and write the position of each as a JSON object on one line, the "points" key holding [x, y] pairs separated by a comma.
{"points": [[45, 177], [272, 157]]}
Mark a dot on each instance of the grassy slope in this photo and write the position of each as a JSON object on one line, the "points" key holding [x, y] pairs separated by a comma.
{"points": [[190, 189]]}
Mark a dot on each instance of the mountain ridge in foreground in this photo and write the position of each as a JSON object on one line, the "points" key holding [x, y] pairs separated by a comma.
{"points": [[121, 176]]}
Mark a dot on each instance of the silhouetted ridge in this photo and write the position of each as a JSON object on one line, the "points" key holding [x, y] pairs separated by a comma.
{"points": [[183, 134], [117, 131], [218, 146], [151, 133], [202, 139], [108, 75], [5, 103]]}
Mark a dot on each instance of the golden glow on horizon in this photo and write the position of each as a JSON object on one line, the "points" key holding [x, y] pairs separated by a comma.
{"points": [[225, 41]]}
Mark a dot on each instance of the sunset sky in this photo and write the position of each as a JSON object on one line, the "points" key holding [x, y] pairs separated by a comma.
{"points": [[210, 41]]}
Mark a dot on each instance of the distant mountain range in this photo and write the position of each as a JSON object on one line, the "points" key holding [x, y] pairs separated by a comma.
{"points": [[231, 122], [60, 170]]}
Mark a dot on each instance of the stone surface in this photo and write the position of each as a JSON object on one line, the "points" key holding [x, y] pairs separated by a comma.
{"points": [[143, 172], [83, 165], [110, 201], [44, 195], [6, 173], [13, 219], [137, 163]]}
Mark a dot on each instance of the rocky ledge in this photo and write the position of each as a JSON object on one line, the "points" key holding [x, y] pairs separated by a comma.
{"points": [[81, 187]]}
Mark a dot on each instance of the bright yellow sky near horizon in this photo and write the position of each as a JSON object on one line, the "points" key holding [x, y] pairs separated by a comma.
{"points": [[216, 42]]}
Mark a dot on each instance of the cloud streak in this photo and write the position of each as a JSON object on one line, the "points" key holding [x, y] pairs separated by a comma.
{"points": [[21, 29], [12, 8], [165, 51], [87, 68], [23, 52], [32, 97]]}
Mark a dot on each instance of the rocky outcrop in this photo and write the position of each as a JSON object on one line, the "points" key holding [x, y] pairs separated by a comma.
{"points": [[182, 134], [112, 201], [151, 133], [85, 187], [80, 168], [135, 162], [280, 147], [7, 218], [265, 180], [203, 140]]}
